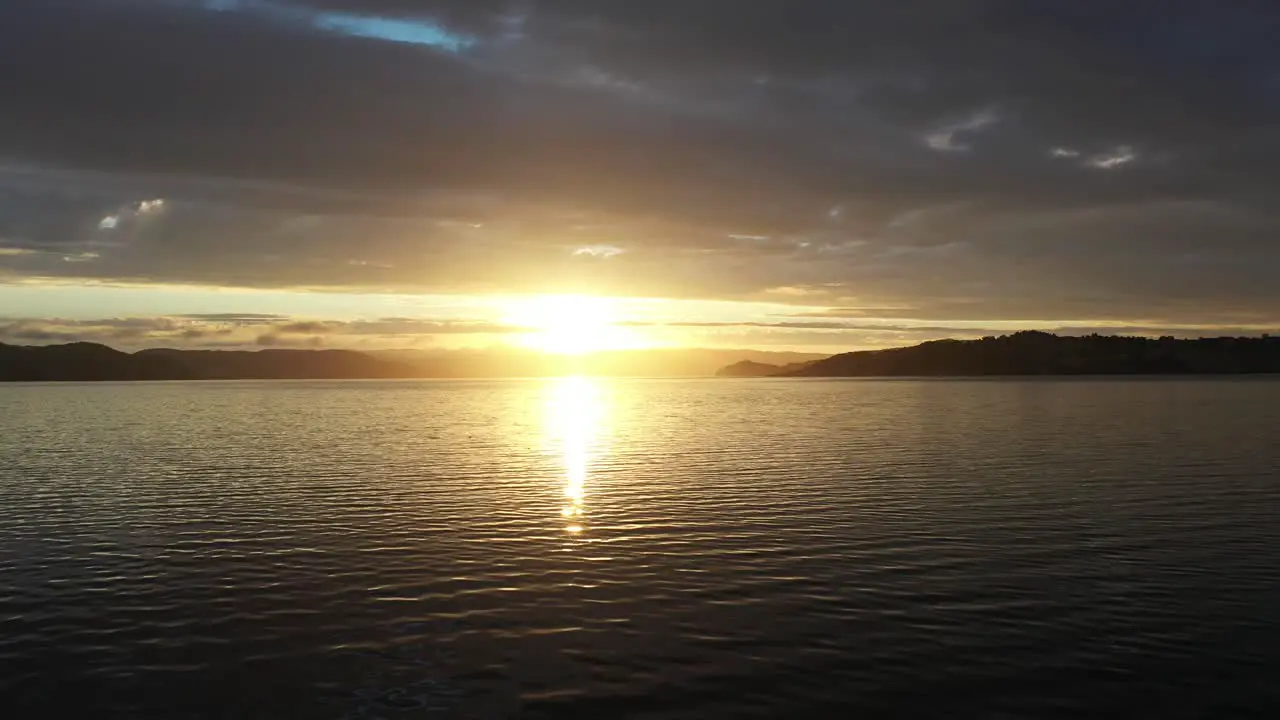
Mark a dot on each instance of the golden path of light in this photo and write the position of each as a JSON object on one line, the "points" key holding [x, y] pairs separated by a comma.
{"points": [[576, 411]]}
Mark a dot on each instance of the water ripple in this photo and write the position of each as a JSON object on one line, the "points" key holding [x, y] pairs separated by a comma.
{"points": [[641, 549]]}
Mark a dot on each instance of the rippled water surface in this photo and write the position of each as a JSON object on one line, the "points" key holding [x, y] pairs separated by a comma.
{"points": [[649, 549]]}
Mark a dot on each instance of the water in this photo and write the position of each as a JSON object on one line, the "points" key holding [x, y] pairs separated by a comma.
{"points": [[648, 549]]}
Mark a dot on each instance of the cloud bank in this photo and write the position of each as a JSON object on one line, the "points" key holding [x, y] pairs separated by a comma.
{"points": [[952, 159]]}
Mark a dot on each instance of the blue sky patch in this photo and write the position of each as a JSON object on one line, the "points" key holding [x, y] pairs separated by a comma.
{"points": [[412, 31], [399, 30]]}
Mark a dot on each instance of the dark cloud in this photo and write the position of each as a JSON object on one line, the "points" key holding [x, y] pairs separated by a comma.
{"points": [[1078, 160], [242, 330], [277, 340], [308, 328], [236, 318]]}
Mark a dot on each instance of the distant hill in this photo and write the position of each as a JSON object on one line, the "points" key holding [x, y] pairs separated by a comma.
{"points": [[656, 362], [1040, 353], [1023, 353], [89, 361], [749, 368]]}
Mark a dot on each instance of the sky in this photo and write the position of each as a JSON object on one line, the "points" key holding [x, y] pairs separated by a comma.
{"points": [[819, 175]]}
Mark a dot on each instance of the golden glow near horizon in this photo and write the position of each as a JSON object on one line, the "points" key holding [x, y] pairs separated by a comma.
{"points": [[571, 324], [575, 415]]}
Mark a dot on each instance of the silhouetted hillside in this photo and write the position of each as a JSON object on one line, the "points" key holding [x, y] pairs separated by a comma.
{"points": [[282, 364], [89, 361], [1024, 353], [748, 368], [1039, 353], [84, 361], [654, 362]]}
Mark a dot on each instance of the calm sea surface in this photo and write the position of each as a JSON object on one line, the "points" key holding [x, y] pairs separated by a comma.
{"points": [[647, 549]]}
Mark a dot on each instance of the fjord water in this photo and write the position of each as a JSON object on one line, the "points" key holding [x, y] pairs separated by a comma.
{"points": [[641, 548]]}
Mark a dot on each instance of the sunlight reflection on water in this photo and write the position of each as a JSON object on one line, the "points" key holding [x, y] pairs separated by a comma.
{"points": [[580, 547], [576, 411]]}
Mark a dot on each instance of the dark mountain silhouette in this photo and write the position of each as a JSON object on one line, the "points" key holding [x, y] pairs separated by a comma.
{"points": [[89, 361], [749, 368], [654, 362], [1023, 353], [1040, 353]]}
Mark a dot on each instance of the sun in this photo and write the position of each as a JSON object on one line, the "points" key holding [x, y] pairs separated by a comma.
{"points": [[570, 324]]}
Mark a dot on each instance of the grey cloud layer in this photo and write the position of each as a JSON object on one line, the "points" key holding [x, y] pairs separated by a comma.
{"points": [[986, 159], [260, 330], [239, 330]]}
